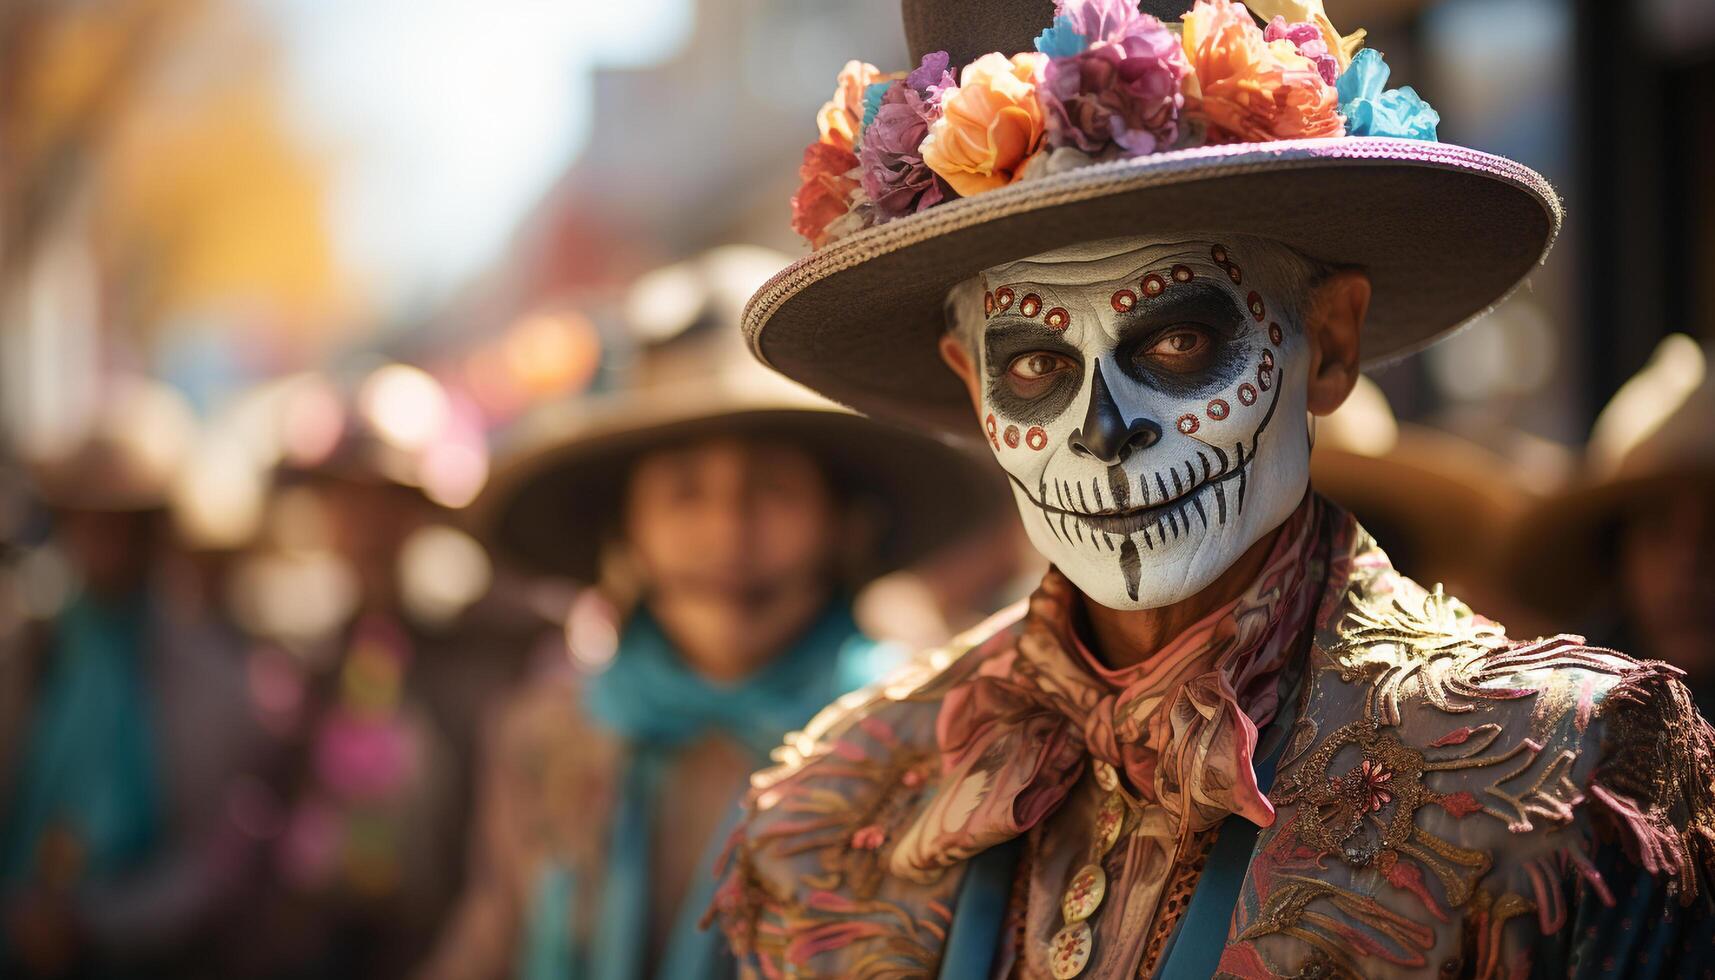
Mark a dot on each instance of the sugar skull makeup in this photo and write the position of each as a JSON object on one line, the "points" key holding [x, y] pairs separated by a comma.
{"points": [[1147, 401]]}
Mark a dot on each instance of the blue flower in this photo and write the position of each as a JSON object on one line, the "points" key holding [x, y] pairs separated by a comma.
{"points": [[872, 94], [1371, 111], [1061, 40]]}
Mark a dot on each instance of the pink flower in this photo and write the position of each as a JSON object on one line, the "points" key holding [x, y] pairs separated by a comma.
{"points": [[1375, 777], [1123, 93], [1307, 39], [868, 838], [1104, 20]]}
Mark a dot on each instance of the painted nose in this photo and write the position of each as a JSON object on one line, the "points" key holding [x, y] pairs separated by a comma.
{"points": [[1106, 435]]}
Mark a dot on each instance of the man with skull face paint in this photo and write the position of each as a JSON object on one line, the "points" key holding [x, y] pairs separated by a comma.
{"points": [[1224, 736], [1156, 445]]}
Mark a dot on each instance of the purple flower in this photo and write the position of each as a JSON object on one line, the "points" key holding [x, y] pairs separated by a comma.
{"points": [[932, 75], [1308, 40], [1104, 20], [1122, 93], [895, 177]]}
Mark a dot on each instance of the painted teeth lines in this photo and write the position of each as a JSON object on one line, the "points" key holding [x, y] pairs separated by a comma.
{"points": [[1065, 516]]}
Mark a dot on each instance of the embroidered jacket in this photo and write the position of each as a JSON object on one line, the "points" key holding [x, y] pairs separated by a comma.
{"points": [[1449, 802]]}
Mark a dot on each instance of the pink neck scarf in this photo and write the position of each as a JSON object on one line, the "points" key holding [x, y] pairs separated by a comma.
{"points": [[1181, 725]]}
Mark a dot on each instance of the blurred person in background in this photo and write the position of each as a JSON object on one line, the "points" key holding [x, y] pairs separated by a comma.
{"points": [[1225, 735], [1628, 551], [392, 669], [1442, 504], [728, 518], [127, 758]]}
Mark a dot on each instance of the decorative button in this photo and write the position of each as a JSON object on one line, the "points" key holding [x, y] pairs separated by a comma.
{"points": [[1106, 777], [1109, 819], [1084, 893], [1069, 951]]}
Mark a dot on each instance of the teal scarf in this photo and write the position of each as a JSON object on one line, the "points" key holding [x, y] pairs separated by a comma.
{"points": [[656, 704], [88, 766]]}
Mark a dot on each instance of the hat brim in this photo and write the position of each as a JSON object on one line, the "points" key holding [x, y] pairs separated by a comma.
{"points": [[1444, 233], [555, 505]]}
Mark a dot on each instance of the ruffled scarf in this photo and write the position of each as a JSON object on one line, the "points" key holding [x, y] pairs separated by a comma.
{"points": [[1181, 725]]}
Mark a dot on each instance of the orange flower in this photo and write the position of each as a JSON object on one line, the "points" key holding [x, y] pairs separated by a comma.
{"points": [[842, 115], [1248, 89], [990, 125], [825, 195]]}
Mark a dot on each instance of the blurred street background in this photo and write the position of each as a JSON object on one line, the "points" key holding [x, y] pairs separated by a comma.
{"points": [[281, 279]]}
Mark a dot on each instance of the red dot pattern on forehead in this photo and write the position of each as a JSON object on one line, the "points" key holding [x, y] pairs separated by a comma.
{"points": [[1153, 285], [1264, 377], [1219, 254], [1254, 301], [1247, 394], [989, 426], [1030, 305], [1124, 300], [988, 304], [1181, 273], [1268, 359], [1274, 334], [1003, 299], [1218, 409], [1036, 438], [1011, 437], [1057, 318], [1187, 423]]}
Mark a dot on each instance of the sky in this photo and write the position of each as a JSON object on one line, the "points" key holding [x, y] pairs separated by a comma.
{"points": [[447, 120]]}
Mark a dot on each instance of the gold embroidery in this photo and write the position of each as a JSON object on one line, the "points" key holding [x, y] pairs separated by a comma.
{"points": [[1286, 911], [1485, 922]]}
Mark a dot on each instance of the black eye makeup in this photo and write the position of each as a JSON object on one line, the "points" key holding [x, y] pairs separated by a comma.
{"points": [[1032, 372], [1192, 340]]}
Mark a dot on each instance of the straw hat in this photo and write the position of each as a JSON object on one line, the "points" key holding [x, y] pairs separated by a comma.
{"points": [[1657, 432], [1443, 231], [561, 473], [129, 456]]}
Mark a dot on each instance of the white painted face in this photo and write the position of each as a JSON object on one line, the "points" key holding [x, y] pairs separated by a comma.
{"points": [[1148, 401]]}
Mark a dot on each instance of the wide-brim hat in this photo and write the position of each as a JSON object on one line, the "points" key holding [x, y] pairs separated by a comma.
{"points": [[1655, 435], [557, 489], [1441, 504], [129, 457], [1443, 232]]}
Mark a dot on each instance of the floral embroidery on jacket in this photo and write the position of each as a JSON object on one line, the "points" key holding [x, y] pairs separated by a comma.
{"points": [[1449, 802]]}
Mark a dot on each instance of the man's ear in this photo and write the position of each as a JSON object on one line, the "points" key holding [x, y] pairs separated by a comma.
{"points": [[958, 358], [1332, 324]]}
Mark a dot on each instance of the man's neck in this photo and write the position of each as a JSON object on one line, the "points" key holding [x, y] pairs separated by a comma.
{"points": [[1123, 637], [727, 642]]}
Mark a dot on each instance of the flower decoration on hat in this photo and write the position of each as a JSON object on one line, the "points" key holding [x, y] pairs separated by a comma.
{"points": [[1371, 111], [991, 123], [895, 177], [1106, 82]]}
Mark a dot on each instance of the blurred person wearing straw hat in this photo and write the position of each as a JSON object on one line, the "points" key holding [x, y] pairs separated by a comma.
{"points": [[728, 517], [1224, 736], [1443, 504], [388, 680], [124, 739], [1628, 551]]}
